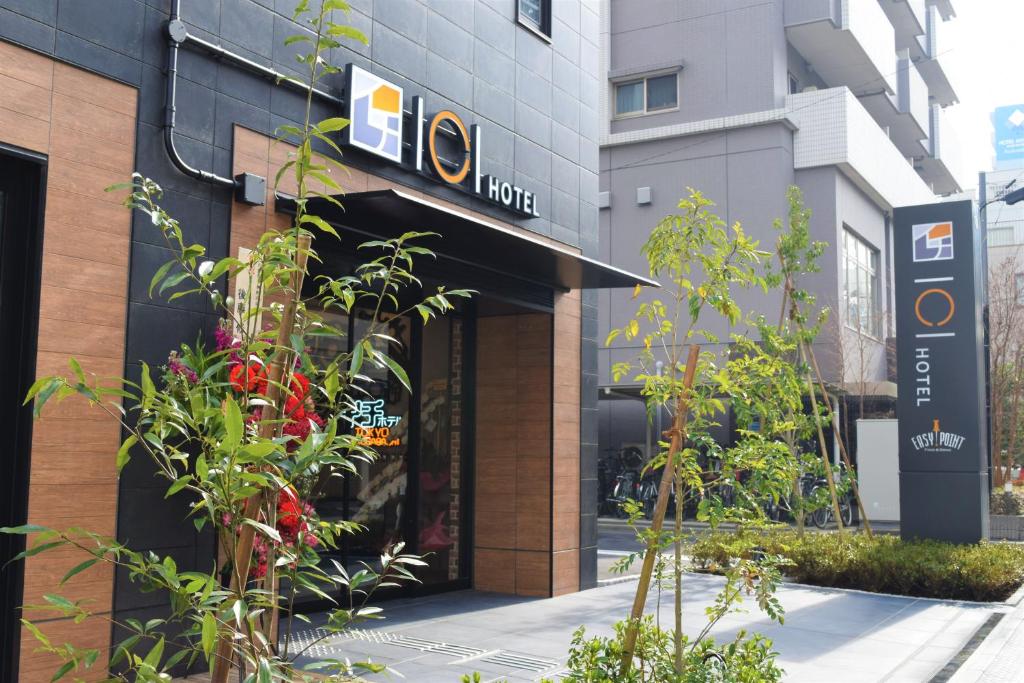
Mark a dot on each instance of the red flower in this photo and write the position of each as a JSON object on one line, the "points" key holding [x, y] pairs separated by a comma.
{"points": [[295, 408], [300, 385], [288, 513], [248, 378]]}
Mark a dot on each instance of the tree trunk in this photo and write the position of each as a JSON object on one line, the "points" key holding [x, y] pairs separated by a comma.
{"points": [[678, 635], [269, 427], [650, 554]]}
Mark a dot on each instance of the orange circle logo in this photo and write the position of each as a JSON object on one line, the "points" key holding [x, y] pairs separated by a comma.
{"points": [[944, 294], [463, 170]]}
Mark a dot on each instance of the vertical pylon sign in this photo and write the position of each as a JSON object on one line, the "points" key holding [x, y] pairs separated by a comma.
{"points": [[943, 420]]}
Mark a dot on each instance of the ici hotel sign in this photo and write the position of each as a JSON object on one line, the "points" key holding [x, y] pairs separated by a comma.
{"points": [[376, 114], [941, 405]]}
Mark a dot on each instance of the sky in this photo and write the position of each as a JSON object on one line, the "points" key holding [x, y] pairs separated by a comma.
{"points": [[983, 56]]}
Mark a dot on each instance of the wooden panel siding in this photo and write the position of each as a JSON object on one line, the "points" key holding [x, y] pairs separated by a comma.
{"points": [[86, 125]]}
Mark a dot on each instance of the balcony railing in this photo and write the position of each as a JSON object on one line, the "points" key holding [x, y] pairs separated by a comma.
{"points": [[847, 42], [834, 129], [930, 61], [909, 18], [942, 166]]}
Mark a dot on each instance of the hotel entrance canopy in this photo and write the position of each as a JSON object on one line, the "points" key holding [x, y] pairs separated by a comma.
{"points": [[383, 214]]}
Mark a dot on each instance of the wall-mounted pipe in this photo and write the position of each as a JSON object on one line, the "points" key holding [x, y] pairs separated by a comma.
{"points": [[176, 33], [248, 188]]}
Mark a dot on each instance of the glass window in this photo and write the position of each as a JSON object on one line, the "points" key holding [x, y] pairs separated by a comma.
{"points": [[661, 92], [794, 85], [1019, 283], [629, 98], [1001, 234], [536, 14], [860, 286], [647, 95]]}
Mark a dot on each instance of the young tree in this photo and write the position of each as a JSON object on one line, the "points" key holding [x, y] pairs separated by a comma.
{"points": [[1006, 357], [703, 264]]}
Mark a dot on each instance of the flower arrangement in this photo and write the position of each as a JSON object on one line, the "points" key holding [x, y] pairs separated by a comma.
{"points": [[247, 377]]}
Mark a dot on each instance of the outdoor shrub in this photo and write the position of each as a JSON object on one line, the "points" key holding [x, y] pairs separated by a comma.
{"points": [[883, 564], [743, 660], [1005, 503]]}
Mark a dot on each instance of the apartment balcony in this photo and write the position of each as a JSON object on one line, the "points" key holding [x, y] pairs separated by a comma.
{"points": [[908, 18], [847, 42], [834, 129], [942, 164], [930, 62], [905, 115]]}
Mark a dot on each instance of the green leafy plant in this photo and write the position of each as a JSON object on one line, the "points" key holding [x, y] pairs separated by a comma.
{"points": [[244, 431], [1005, 503], [743, 659], [882, 564]]}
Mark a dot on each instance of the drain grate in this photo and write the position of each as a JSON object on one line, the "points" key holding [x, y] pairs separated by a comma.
{"points": [[518, 660]]}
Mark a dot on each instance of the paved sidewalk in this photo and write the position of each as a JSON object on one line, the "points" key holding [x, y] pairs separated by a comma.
{"points": [[1000, 656], [829, 635]]}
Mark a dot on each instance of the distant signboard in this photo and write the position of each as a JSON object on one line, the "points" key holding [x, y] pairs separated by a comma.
{"points": [[1009, 138]]}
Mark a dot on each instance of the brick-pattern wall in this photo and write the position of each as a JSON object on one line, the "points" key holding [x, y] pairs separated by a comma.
{"points": [[512, 535], [85, 124]]}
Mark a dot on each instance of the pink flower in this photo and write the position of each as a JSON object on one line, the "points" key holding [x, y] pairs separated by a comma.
{"points": [[177, 367]]}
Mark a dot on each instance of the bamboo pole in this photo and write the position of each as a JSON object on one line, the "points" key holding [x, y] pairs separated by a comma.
{"points": [[839, 440], [651, 553], [824, 450], [269, 428]]}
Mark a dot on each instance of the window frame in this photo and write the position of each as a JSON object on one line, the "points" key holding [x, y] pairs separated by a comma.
{"points": [[866, 273], [792, 83], [542, 30], [643, 78]]}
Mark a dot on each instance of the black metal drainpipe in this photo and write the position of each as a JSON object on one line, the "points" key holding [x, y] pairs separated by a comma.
{"points": [[177, 33]]}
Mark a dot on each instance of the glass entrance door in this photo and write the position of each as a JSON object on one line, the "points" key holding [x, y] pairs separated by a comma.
{"points": [[414, 490]]}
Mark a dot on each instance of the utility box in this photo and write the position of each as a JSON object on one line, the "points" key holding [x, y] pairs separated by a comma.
{"points": [[878, 468]]}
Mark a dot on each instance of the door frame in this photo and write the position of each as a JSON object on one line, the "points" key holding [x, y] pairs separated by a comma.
{"points": [[30, 171]]}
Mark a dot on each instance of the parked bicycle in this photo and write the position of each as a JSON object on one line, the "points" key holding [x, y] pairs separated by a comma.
{"points": [[825, 515]]}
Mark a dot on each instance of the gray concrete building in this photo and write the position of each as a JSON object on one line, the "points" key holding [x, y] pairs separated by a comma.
{"points": [[742, 98]]}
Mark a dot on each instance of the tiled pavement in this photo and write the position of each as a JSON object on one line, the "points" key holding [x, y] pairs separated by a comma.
{"points": [[1000, 657], [829, 635]]}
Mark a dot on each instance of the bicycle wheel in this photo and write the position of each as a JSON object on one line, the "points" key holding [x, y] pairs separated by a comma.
{"points": [[846, 510], [822, 516]]}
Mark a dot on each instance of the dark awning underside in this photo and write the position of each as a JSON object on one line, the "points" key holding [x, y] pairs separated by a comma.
{"points": [[383, 214]]}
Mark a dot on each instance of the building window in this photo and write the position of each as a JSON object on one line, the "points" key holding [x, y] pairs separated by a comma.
{"points": [[1019, 285], [536, 15], [1001, 235], [794, 85], [647, 95], [860, 274]]}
